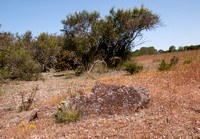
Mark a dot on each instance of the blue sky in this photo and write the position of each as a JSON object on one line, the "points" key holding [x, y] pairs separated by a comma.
{"points": [[180, 18]]}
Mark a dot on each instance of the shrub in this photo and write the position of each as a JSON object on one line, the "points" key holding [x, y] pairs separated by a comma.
{"points": [[133, 68], [187, 62], [68, 114], [114, 62], [45, 49], [19, 65], [78, 72], [145, 51], [174, 60], [164, 66]]}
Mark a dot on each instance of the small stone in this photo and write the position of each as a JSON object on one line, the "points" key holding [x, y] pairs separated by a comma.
{"points": [[33, 115]]}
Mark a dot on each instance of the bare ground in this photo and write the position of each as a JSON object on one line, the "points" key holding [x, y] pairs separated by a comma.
{"points": [[174, 111]]}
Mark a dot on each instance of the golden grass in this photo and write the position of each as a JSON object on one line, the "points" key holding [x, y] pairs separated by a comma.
{"points": [[174, 111]]}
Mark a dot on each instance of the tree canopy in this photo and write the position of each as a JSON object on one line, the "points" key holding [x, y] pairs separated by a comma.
{"points": [[89, 37]]}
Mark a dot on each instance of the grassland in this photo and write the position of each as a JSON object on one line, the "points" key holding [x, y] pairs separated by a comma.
{"points": [[174, 111]]}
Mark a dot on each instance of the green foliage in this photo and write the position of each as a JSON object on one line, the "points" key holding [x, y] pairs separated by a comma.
{"points": [[78, 72], [25, 40], [15, 59], [180, 49], [66, 60], [18, 64], [145, 51], [187, 61], [174, 60], [164, 66], [81, 40], [114, 62], [191, 47], [133, 68], [89, 38], [161, 51], [68, 114], [45, 50], [172, 49]]}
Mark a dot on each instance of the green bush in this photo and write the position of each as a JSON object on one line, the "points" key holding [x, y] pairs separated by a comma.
{"points": [[18, 64], [45, 49], [68, 114], [133, 68], [78, 72], [187, 62], [174, 60], [114, 62], [164, 66]]}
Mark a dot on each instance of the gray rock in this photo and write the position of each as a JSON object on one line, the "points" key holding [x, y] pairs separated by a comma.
{"points": [[110, 99]]}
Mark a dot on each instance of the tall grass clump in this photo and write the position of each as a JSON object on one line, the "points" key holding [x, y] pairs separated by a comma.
{"points": [[133, 68], [68, 114]]}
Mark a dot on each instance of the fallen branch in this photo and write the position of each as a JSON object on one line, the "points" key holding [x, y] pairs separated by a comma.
{"points": [[97, 61]]}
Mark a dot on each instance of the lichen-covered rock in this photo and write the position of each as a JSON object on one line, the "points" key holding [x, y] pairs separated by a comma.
{"points": [[110, 99]]}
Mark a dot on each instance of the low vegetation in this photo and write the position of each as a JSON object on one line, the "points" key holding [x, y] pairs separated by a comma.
{"points": [[174, 61], [87, 38], [26, 104], [165, 66], [187, 61], [133, 68], [68, 114]]}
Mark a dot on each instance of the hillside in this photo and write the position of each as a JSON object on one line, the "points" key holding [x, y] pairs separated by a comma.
{"points": [[174, 110]]}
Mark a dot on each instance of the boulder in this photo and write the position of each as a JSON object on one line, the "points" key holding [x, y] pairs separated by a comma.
{"points": [[109, 99]]}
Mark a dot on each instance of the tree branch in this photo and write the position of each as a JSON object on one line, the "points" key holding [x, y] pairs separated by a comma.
{"points": [[97, 61]]}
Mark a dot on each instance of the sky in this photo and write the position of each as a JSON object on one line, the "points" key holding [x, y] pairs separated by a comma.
{"points": [[180, 18]]}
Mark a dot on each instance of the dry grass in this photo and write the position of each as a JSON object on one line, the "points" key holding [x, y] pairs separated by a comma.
{"points": [[174, 111]]}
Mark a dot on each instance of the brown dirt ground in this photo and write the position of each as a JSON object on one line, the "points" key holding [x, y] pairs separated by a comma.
{"points": [[174, 111]]}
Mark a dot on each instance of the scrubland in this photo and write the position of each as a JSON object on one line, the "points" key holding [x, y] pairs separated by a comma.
{"points": [[174, 110]]}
